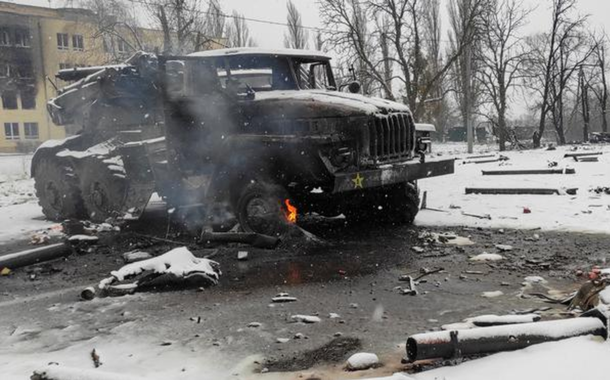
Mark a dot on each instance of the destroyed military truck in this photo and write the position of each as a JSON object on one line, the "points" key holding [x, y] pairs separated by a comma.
{"points": [[244, 134]]}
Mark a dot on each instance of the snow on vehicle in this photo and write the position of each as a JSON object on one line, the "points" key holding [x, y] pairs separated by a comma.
{"points": [[254, 133]]}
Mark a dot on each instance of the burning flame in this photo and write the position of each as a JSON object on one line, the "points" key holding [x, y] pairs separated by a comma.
{"points": [[290, 212]]}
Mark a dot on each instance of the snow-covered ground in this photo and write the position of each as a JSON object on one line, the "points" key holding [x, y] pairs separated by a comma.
{"points": [[583, 212], [19, 210]]}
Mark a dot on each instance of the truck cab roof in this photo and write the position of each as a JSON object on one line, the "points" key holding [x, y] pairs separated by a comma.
{"points": [[294, 53]]}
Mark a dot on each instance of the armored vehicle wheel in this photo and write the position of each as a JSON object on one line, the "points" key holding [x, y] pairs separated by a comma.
{"points": [[57, 190], [260, 209], [403, 203], [104, 190]]}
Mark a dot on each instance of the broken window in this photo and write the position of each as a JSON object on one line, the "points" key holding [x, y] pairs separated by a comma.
{"points": [[62, 41], [28, 100], [5, 38], [78, 42], [9, 101], [22, 38], [11, 131], [30, 131]]}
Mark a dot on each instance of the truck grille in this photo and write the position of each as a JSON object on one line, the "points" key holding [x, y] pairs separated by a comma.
{"points": [[391, 137]]}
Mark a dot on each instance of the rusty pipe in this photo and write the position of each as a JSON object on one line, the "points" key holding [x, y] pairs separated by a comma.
{"points": [[488, 340]]}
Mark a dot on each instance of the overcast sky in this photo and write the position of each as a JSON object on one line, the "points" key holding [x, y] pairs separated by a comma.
{"points": [[271, 36]]}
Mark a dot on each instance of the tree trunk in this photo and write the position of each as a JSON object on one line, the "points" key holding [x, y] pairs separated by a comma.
{"points": [[502, 131], [167, 39]]}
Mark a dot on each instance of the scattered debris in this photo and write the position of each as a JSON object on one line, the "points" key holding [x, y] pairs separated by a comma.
{"points": [[586, 159], [499, 320], [253, 239], [486, 216], [520, 191], [333, 316], [535, 280], [96, 359], [526, 210], [529, 171], [299, 336], [587, 296], [305, 318], [254, 325], [493, 294], [242, 255], [87, 238], [283, 298], [487, 257], [176, 267], [410, 289], [133, 256], [601, 190], [445, 238], [282, 340], [504, 247], [582, 154], [5, 271], [361, 361], [418, 249]]}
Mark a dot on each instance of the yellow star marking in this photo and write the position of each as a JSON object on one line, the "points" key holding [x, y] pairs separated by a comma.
{"points": [[358, 181]]}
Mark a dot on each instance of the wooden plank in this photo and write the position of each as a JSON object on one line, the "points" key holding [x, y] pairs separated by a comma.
{"points": [[529, 171], [583, 154], [518, 191]]}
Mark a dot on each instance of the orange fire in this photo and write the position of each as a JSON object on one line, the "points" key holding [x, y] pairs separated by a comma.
{"points": [[290, 212]]}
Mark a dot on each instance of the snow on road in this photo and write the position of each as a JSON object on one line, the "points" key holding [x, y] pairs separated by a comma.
{"points": [[583, 212], [19, 210]]}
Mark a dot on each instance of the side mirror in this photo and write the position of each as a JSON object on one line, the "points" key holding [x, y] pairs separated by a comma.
{"points": [[354, 87]]}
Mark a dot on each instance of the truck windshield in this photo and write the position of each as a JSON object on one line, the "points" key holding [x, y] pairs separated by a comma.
{"points": [[261, 73]]}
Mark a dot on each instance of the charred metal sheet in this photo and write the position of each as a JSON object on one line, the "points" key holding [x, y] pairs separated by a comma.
{"points": [[391, 174]]}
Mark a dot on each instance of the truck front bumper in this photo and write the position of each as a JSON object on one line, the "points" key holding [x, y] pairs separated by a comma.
{"points": [[391, 174]]}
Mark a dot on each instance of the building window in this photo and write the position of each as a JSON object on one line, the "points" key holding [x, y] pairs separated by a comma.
{"points": [[122, 46], [64, 66], [5, 38], [77, 42], [62, 41], [30, 131], [22, 38], [11, 131], [28, 100], [9, 101]]}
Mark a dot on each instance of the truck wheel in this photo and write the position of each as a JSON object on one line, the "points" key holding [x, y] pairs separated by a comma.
{"points": [[260, 209], [104, 190], [403, 203], [57, 190]]}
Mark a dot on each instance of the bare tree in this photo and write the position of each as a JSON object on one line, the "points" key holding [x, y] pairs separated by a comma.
{"points": [[406, 36], [296, 37], [601, 89], [466, 66], [553, 63], [501, 58], [238, 33]]}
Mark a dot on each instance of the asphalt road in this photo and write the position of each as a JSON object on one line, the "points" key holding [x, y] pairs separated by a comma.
{"points": [[354, 273]]}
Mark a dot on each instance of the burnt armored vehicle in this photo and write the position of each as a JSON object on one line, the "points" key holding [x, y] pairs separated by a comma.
{"points": [[243, 132]]}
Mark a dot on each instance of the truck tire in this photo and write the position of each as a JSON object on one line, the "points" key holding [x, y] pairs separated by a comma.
{"points": [[104, 190], [57, 189], [403, 203], [260, 208]]}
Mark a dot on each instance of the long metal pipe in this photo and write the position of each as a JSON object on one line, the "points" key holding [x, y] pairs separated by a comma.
{"points": [[488, 340], [34, 256]]}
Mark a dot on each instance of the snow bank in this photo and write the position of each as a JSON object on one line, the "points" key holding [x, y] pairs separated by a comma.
{"points": [[54, 372], [584, 212]]}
